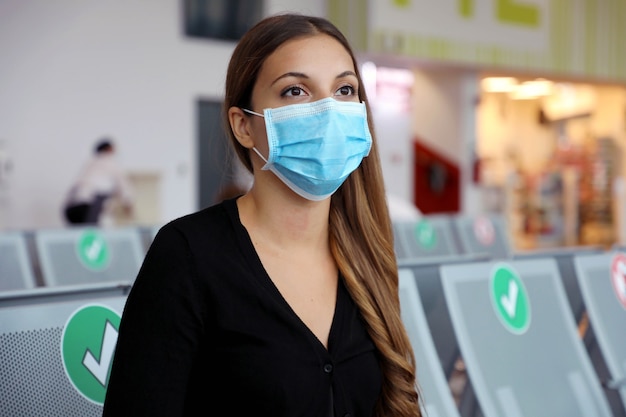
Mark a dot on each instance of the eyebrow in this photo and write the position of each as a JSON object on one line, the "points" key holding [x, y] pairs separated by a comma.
{"points": [[303, 75]]}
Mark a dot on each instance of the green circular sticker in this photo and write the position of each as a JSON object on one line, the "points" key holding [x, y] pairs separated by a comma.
{"points": [[425, 234], [93, 250], [87, 347], [510, 299]]}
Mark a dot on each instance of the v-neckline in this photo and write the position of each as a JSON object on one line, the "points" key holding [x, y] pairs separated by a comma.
{"points": [[267, 280], [269, 284]]}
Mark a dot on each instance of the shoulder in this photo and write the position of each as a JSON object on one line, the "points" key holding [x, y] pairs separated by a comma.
{"points": [[207, 225]]}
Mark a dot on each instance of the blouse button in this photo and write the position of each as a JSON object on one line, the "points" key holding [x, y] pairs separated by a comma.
{"points": [[328, 368]]}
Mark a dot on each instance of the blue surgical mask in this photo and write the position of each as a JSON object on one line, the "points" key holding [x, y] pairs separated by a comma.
{"points": [[314, 147]]}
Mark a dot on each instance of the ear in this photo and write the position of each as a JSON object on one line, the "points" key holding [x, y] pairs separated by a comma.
{"points": [[240, 125]]}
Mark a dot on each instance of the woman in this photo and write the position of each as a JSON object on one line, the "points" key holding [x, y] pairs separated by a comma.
{"points": [[284, 301]]}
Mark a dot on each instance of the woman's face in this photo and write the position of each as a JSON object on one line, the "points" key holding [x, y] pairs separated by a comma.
{"points": [[304, 70], [300, 71]]}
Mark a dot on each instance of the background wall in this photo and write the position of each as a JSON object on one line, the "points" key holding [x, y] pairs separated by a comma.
{"points": [[73, 71], [444, 119]]}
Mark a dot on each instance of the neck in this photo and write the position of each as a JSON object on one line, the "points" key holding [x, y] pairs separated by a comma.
{"points": [[284, 219]]}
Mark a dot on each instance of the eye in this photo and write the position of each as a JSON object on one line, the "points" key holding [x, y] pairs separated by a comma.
{"points": [[346, 90], [293, 91]]}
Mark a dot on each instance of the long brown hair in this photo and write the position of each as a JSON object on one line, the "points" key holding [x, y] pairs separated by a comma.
{"points": [[361, 236]]}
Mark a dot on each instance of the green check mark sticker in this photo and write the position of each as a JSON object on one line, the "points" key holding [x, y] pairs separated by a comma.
{"points": [[425, 234], [87, 347], [93, 250], [510, 299]]}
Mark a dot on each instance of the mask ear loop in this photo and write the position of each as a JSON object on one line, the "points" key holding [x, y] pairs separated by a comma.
{"points": [[266, 166], [252, 112]]}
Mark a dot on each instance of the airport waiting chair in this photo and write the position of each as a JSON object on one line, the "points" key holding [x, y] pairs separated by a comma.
{"points": [[148, 233], [564, 258], [515, 331], [16, 268], [437, 399], [81, 255], [56, 347], [486, 233], [602, 279], [427, 278], [429, 236]]}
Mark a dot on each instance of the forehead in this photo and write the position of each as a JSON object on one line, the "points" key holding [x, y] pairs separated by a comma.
{"points": [[310, 55]]}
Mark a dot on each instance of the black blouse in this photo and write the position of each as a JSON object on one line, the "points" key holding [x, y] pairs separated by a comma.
{"points": [[205, 329]]}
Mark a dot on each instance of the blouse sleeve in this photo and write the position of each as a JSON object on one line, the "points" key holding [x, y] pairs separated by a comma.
{"points": [[160, 330]]}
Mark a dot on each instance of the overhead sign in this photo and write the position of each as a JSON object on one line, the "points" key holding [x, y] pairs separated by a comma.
{"points": [[506, 23], [570, 37]]}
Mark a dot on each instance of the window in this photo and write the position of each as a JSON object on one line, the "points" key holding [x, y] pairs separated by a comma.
{"points": [[221, 19]]}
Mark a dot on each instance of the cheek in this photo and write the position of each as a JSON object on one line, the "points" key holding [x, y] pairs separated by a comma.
{"points": [[259, 140], [259, 137]]}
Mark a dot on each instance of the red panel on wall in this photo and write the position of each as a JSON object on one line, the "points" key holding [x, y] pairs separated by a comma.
{"points": [[436, 179]]}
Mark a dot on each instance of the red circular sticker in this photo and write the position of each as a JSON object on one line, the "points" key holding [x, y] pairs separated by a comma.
{"points": [[618, 277], [484, 230]]}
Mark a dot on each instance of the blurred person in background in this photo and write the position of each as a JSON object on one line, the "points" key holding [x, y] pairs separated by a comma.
{"points": [[100, 180]]}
